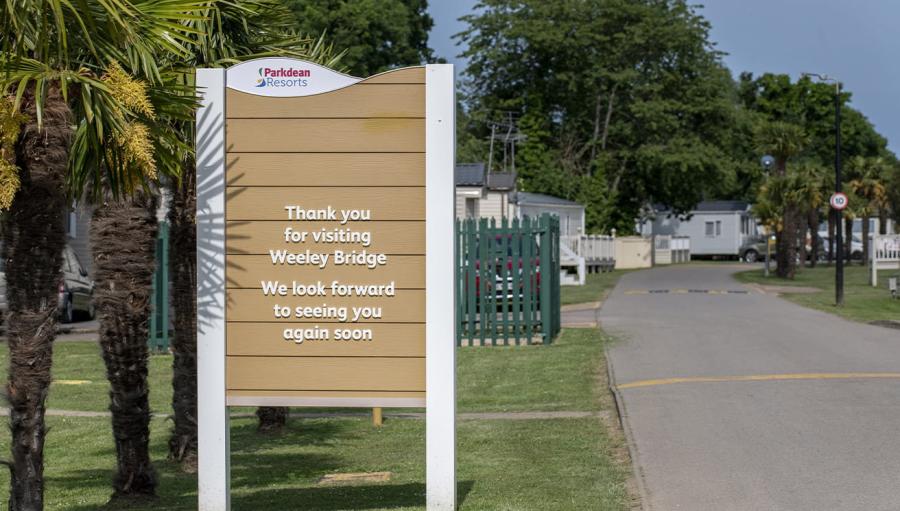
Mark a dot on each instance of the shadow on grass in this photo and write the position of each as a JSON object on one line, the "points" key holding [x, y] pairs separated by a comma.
{"points": [[267, 472], [339, 498], [180, 494]]}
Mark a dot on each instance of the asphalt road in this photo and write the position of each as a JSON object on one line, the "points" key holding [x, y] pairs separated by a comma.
{"points": [[737, 400]]}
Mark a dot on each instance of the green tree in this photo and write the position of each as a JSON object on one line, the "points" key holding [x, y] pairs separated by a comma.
{"points": [[869, 185], [626, 99], [73, 125], [376, 34]]}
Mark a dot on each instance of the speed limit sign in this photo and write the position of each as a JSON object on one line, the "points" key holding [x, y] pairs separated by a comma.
{"points": [[839, 201]]}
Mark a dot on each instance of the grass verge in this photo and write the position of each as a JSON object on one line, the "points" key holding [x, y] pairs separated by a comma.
{"points": [[536, 464], [862, 302], [596, 288]]}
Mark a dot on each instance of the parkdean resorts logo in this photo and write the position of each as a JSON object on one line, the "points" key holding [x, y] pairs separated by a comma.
{"points": [[282, 77]]}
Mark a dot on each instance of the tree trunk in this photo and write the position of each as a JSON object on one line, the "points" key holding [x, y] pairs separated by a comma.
{"points": [[787, 250], [865, 240], [848, 239], [801, 238], [812, 222], [34, 239], [183, 239], [272, 419], [882, 221], [831, 233], [123, 241]]}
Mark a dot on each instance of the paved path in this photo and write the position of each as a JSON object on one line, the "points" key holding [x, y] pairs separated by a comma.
{"points": [[743, 401]]}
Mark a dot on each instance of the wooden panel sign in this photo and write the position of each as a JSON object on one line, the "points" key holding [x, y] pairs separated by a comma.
{"points": [[325, 250], [325, 239]]}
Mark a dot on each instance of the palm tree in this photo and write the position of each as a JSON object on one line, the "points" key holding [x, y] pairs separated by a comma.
{"points": [[783, 141], [869, 186], [228, 32], [808, 191], [75, 131]]}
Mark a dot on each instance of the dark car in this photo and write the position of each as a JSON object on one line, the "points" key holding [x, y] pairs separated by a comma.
{"points": [[75, 291]]}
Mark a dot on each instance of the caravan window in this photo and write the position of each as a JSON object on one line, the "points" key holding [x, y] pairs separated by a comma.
{"points": [[713, 229]]}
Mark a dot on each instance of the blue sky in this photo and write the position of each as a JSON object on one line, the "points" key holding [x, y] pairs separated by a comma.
{"points": [[852, 40]]}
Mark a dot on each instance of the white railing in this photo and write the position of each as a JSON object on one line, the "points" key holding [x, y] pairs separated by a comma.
{"points": [[592, 248], [884, 254]]}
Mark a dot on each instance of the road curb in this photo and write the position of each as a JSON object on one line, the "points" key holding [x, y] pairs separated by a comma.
{"points": [[626, 430], [576, 307]]}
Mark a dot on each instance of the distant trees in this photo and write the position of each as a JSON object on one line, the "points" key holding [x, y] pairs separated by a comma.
{"points": [[626, 103], [622, 102], [375, 35]]}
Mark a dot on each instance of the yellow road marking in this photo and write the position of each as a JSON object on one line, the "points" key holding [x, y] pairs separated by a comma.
{"points": [[72, 382], [761, 377]]}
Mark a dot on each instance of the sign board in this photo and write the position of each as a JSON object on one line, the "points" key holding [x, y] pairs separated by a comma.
{"points": [[325, 211], [839, 201]]}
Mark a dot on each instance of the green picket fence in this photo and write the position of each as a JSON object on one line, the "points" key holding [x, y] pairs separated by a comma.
{"points": [[159, 301], [507, 281]]}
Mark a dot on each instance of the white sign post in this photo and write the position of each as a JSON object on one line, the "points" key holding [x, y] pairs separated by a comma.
{"points": [[220, 372]]}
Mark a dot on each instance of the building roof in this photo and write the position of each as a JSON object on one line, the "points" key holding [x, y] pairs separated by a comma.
{"points": [[539, 199], [711, 206], [501, 181], [469, 174]]}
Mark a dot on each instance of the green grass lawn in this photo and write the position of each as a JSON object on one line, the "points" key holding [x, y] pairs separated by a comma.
{"points": [[597, 286], [557, 464], [862, 302], [560, 376]]}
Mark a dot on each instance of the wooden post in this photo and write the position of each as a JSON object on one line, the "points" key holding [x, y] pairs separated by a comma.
{"points": [[377, 417]]}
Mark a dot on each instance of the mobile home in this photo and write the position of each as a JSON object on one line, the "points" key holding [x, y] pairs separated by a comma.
{"points": [[716, 228]]}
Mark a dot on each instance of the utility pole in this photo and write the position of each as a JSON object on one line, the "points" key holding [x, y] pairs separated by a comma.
{"points": [[505, 131]]}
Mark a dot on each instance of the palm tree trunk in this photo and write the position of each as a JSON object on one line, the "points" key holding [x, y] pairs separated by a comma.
{"points": [[831, 232], [787, 249], [272, 419], [865, 240], [848, 239], [812, 221], [123, 240], [183, 239], [34, 239]]}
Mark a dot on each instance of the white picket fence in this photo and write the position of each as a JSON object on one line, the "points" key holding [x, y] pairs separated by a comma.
{"points": [[884, 254]]}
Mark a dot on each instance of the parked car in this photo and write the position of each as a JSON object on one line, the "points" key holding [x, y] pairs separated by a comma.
{"points": [[754, 249], [76, 289], [856, 246]]}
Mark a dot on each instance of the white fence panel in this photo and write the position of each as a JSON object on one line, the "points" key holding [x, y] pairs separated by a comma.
{"points": [[884, 254]]}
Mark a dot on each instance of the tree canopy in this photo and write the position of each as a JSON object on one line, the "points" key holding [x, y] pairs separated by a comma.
{"points": [[375, 34], [627, 103]]}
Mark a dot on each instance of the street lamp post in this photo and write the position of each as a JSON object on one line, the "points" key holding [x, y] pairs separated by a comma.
{"points": [[838, 213], [767, 162]]}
